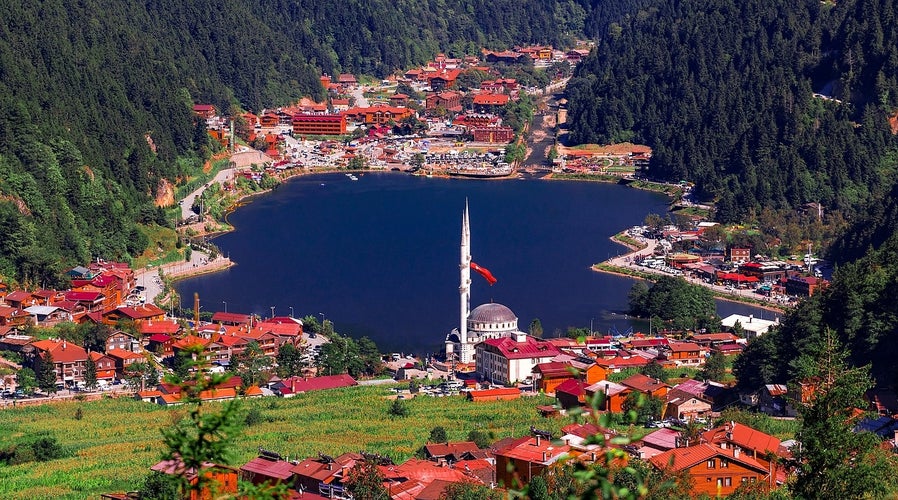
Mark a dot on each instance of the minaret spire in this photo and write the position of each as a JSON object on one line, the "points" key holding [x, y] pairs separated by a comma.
{"points": [[464, 288]]}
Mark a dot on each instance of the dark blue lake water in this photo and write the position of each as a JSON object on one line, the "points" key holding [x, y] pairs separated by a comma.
{"points": [[379, 256]]}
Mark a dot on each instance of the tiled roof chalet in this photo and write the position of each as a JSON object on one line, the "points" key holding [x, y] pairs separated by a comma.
{"points": [[683, 458], [643, 383], [62, 351], [743, 436]]}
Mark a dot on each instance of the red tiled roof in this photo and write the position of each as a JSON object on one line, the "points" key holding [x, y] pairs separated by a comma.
{"points": [[572, 386], [543, 451], [554, 369], [684, 346], [530, 348], [744, 437], [494, 393], [83, 296], [621, 362], [159, 327], [160, 338], [487, 99], [299, 384], [141, 312], [226, 317], [683, 458], [123, 354], [663, 439], [714, 337], [18, 296], [643, 383], [62, 351], [457, 448], [277, 469]]}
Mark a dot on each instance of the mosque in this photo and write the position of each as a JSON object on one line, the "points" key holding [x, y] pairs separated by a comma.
{"points": [[486, 321]]}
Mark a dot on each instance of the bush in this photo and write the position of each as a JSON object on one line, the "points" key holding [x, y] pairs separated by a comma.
{"points": [[42, 449], [398, 409], [253, 417]]}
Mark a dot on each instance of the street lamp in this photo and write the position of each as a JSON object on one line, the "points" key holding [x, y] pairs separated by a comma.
{"points": [[272, 311], [291, 311], [322, 322], [225, 304], [590, 325]]}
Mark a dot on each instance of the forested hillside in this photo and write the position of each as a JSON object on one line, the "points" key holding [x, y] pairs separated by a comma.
{"points": [[859, 306], [96, 96], [725, 94]]}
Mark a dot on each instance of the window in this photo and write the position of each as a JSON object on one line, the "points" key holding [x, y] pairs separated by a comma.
{"points": [[744, 480], [727, 481], [724, 463], [711, 463], [719, 482]]}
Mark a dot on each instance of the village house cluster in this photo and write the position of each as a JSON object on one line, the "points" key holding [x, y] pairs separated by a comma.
{"points": [[106, 293], [735, 268], [444, 119]]}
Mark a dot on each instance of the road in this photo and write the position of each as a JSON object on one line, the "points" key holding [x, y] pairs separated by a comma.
{"points": [[222, 175], [359, 94], [629, 260]]}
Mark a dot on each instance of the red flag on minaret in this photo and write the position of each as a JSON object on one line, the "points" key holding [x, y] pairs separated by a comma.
{"points": [[485, 273]]}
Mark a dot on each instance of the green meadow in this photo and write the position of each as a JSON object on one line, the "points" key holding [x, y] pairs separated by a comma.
{"points": [[115, 442]]}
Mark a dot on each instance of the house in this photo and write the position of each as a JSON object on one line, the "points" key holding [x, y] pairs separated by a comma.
{"points": [[613, 395], [444, 80], [449, 101], [502, 393], [12, 316], [646, 385], [298, 385], [47, 315], [123, 360], [489, 103], [524, 458], [753, 443], [268, 467], [493, 135], [547, 376], [685, 406], [740, 254], [506, 360], [324, 474], [803, 286], [69, 360], [708, 340], [571, 393], [399, 99], [347, 79], [105, 366], [686, 353], [123, 341], [715, 470], [751, 326], [657, 442], [90, 301], [139, 314], [204, 111], [218, 479], [231, 319], [379, 114]]}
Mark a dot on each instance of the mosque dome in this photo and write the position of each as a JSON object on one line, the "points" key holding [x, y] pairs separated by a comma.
{"points": [[492, 318]]}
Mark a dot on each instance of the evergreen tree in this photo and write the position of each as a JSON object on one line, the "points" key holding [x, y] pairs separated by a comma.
{"points": [[46, 374], [715, 367], [437, 435], [365, 481], [90, 374], [833, 460]]}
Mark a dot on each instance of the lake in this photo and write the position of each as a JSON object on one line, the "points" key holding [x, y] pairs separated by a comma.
{"points": [[379, 256]]}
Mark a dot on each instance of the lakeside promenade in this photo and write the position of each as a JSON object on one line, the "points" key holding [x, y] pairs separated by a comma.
{"points": [[626, 265]]}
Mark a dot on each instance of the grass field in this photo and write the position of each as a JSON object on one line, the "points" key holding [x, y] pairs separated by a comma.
{"points": [[116, 441]]}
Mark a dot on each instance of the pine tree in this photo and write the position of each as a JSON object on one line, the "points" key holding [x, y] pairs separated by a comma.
{"points": [[46, 374], [834, 461], [90, 373]]}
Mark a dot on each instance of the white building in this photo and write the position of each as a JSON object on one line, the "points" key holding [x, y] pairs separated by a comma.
{"points": [[752, 326], [507, 360]]}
